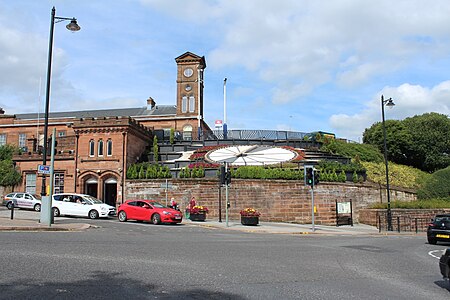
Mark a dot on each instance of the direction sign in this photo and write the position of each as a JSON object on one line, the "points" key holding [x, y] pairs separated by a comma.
{"points": [[43, 169]]}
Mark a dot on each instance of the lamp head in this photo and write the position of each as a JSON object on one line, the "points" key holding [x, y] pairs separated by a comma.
{"points": [[73, 25], [390, 103]]}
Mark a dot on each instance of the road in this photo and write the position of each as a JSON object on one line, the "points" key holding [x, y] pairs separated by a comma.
{"points": [[143, 261]]}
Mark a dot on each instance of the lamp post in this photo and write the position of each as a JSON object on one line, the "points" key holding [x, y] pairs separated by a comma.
{"points": [[72, 26], [389, 103]]}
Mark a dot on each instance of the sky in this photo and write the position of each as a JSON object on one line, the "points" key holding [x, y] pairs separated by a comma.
{"points": [[297, 65]]}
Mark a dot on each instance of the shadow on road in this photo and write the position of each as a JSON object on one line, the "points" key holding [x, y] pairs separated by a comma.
{"points": [[104, 285]]}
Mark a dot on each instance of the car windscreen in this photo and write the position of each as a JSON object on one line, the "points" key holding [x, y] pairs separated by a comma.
{"points": [[92, 200], [157, 204], [37, 196], [442, 221]]}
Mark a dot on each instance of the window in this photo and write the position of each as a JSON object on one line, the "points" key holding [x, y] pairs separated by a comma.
{"points": [[100, 148], [41, 139], [58, 182], [22, 140], [184, 104], [91, 148], [61, 133], [109, 147], [187, 133], [2, 139], [30, 183], [191, 104]]}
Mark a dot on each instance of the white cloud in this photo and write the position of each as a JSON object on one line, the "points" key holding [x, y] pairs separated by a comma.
{"points": [[409, 100]]}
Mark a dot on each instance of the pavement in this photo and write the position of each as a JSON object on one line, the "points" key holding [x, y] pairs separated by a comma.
{"points": [[26, 220]]}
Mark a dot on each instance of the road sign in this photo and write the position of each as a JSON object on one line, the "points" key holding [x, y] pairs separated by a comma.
{"points": [[43, 169]]}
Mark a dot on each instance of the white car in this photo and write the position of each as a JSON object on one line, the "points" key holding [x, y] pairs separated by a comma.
{"points": [[23, 200], [80, 205]]}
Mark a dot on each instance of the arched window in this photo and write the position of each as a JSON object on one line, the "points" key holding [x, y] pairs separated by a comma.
{"points": [[109, 147], [191, 104], [100, 148], [91, 148], [187, 133], [184, 104]]}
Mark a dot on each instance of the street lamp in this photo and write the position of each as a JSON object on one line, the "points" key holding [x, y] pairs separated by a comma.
{"points": [[72, 26], [389, 103]]}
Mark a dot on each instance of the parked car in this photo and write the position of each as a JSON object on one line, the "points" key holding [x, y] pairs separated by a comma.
{"points": [[444, 264], [439, 229], [148, 210], [80, 205], [23, 200]]}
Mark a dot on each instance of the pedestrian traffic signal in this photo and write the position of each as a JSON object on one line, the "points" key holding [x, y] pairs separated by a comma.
{"points": [[222, 175], [309, 176], [228, 177]]}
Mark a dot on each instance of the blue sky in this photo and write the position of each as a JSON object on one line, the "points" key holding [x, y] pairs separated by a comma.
{"points": [[290, 65]]}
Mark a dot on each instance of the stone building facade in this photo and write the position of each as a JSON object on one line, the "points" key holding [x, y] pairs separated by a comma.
{"points": [[94, 148]]}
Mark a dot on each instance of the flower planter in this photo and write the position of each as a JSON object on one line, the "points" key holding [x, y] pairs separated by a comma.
{"points": [[197, 217], [249, 220]]}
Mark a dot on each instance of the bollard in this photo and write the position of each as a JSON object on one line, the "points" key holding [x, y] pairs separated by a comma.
{"points": [[12, 211], [415, 221], [398, 224]]}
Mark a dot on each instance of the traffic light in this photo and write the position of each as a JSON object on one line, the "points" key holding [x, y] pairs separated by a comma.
{"points": [[222, 175], [309, 176], [228, 177], [316, 177]]}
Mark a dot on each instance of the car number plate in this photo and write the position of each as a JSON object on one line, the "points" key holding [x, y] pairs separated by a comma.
{"points": [[444, 236], [177, 218]]}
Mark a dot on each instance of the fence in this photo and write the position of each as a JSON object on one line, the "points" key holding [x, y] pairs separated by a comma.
{"points": [[403, 223]]}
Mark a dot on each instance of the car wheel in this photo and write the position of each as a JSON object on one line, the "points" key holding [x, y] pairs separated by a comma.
{"points": [[93, 214], [55, 212], [37, 207], [9, 205], [122, 216], [156, 219], [432, 241]]}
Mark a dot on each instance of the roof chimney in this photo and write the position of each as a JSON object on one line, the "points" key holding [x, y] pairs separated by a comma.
{"points": [[151, 103]]}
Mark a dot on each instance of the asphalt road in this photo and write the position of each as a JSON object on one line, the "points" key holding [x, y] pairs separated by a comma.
{"points": [[143, 261]]}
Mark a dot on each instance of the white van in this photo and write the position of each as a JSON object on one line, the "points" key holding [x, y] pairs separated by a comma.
{"points": [[80, 205]]}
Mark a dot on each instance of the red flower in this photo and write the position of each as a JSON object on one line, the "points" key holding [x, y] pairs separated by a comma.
{"points": [[250, 212]]}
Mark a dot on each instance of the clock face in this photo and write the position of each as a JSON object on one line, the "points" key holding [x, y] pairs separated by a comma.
{"points": [[187, 88], [188, 72], [252, 155]]}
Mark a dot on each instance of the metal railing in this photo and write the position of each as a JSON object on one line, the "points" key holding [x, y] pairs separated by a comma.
{"points": [[403, 223]]}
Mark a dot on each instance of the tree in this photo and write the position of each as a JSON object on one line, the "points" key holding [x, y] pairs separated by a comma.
{"points": [[420, 141], [9, 176], [155, 149], [436, 186]]}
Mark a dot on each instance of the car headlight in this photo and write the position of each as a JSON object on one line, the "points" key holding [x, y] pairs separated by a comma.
{"points": [[103, 208], [167, 212]]}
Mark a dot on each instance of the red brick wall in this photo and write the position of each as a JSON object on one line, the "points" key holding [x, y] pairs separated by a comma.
{"points": [[277, 200]]}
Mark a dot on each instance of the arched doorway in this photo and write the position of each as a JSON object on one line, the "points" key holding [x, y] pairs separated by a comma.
{"points": [[110, 191], [91, 187]]}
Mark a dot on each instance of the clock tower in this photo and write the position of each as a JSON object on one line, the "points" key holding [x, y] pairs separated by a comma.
{"points": [[190, 85]]}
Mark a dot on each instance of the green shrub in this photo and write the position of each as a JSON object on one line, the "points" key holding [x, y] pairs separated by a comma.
{"points": [[330, 165], [399, 175], [419, 204], [436, 186], [364, 152]]}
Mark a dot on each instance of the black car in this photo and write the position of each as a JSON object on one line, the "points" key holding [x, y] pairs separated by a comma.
{"points": [[444, 264], [439, 229]]}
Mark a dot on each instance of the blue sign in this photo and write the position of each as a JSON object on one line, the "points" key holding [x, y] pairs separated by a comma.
{"points": [[43, 169]]}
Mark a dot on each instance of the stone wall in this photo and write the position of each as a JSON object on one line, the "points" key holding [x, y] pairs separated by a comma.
{"points": [[277, 200]]}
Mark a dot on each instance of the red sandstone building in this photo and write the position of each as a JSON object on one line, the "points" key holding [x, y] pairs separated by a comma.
{"points": [[95, 147]]}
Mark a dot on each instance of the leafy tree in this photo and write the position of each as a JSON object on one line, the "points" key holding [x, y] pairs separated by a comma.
{"points": [[421, 141], [155, 149], [9, 176]]}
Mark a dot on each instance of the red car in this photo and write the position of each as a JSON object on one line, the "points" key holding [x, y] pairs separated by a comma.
{"points": [[148, 210]]}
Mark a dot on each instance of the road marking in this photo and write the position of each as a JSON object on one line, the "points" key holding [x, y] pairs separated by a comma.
{"points": [[440, 252]]}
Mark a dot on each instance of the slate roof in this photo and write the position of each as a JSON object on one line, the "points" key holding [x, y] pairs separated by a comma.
{"points": [[158, 111]]}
